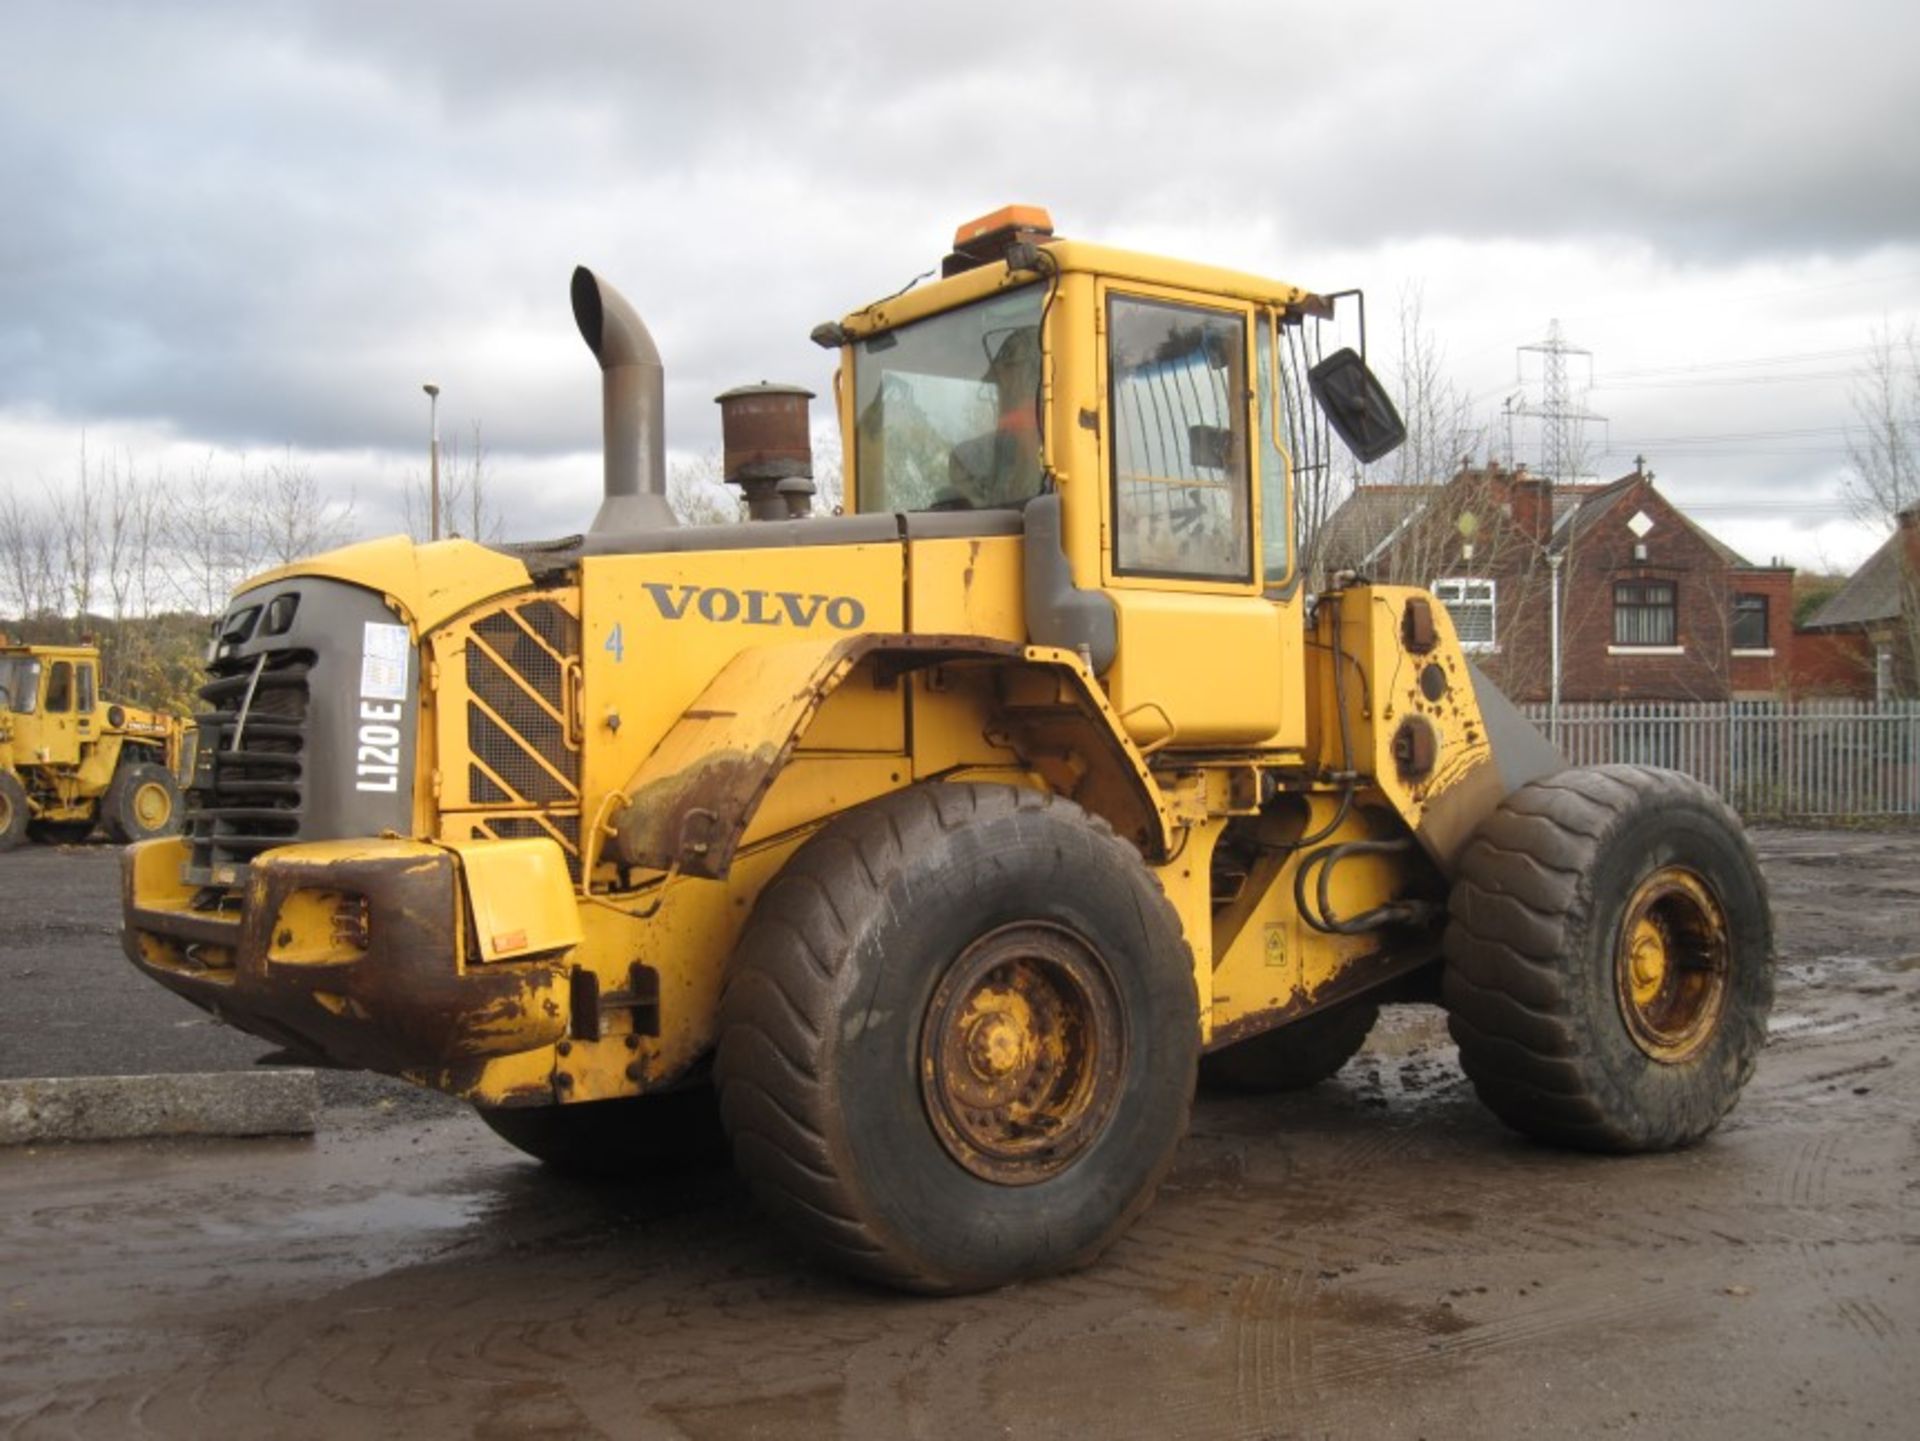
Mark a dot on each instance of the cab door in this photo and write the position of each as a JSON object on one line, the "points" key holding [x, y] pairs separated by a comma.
{"points": [[1203, 652], [59, 729]]}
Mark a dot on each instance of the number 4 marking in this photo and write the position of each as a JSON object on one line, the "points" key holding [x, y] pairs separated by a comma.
{"points": [[616, 645]]}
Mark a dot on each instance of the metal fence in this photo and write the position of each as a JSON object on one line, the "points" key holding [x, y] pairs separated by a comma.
{"points": [[1773, 760]]}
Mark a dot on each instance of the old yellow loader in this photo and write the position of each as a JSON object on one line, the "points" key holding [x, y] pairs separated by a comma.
{"points": [[71, 759]]}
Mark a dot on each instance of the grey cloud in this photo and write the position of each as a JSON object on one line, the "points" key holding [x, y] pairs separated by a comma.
{"points": [[266, 223]]}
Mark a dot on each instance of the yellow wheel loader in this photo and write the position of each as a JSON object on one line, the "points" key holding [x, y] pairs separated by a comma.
{"points": [[70, 759], [938, 843]]}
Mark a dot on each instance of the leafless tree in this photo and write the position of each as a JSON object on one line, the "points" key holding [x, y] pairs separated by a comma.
{"points": [[77, 518], [207, 537], [1883, 477], [27, 556], [697, 495], [290, 515], [467, 506], [1441, 439]]}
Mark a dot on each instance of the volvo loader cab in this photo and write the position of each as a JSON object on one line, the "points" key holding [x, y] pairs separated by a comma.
{"points": [[940, 844]]}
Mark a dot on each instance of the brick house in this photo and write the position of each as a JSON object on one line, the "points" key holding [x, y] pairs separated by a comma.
{"points": [[1865, 640], [1652, 606]]}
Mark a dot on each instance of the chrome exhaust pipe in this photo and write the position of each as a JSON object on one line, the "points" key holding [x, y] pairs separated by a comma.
{"points": [[633, 407]]}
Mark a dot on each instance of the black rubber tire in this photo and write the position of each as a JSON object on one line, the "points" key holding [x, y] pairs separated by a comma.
{"points": [[120, 812], [667, 1133], [1295, 1056], [818, 1064], [13, 811], [60, 833], [1529, 984]]}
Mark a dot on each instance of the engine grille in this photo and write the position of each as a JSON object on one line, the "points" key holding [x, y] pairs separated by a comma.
{"points": [[248, 784], [522, 757]]}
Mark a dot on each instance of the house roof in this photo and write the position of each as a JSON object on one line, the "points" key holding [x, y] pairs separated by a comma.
{"points": [[1598, 501], [1871, 593], [1367, 519]]}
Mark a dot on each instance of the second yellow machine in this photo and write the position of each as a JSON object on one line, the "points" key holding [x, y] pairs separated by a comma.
{"points": [[942, 838]]}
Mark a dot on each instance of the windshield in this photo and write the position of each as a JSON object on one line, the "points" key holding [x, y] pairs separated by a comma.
{"points": [[946, 409], [19, 683]]}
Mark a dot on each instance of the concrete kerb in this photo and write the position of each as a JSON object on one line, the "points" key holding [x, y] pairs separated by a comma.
{"points": [[120, 1108]]}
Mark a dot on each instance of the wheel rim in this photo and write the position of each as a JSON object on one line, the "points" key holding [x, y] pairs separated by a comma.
{"points": [[1671, 964], [1021, 1053], [152, 806]]}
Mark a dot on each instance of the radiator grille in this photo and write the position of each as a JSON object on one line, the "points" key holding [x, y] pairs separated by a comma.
{"points": [[248, 784], [519, 660]]}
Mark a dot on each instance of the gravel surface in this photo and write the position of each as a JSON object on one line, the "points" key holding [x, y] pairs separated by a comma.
{"points": [[1377, 1257]]}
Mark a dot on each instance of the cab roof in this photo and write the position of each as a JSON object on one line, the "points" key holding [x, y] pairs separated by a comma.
{"points": [[1078, 257]]}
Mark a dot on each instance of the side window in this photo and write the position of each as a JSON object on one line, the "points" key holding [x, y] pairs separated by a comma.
{"points": [[60, 687], [85, 707], [1180, 476], [1276, 524]]}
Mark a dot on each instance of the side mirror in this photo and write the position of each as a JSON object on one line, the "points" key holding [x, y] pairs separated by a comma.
{"points": [[1357, 406]]}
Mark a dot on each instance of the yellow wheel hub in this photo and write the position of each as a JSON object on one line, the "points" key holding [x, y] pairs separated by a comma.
{"points": [[1648, 960], [1672, 964], [1021, 1053], [152, 806]]}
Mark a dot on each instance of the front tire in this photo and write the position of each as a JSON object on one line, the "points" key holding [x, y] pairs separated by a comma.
{"points": [[13, 811], [142, 803], [958, 1045], [1610, 959]]}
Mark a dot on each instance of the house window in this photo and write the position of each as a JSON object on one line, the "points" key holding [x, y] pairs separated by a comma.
{"points": [[1471, 604], [1644, 613], [1749, 622]]}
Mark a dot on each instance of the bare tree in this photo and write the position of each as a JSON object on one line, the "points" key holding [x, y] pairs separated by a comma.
{"points": [[77, 519], [467, 507], [27, 556], [207, 539], [1883, 477], [290, 514], [697, 495], [1441, 439]]}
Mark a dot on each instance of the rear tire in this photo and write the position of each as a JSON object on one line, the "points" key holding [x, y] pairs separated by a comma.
{"points": [[13, 811], [142, 803], [958, 1045], [1610, 959], [1295, 1056], [623, 1139]]}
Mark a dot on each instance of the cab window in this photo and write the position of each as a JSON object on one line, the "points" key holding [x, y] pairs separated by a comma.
{"points": [[60, 687], [1178, 390], [946, 409], [1276, 520], [85, 707]]}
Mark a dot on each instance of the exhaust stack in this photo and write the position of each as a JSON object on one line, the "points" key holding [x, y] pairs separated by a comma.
{"points": [[633, 407]]}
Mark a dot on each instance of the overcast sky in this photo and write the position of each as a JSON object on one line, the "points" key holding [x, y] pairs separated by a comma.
{"points": [[260, 225]]}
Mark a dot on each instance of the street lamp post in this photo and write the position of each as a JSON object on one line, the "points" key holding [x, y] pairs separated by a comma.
{"points": [[433, 455], [1553, 622]]}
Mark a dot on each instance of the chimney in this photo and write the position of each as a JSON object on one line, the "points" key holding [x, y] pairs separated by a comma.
{"points": [[633, 406], [1532, 505]]}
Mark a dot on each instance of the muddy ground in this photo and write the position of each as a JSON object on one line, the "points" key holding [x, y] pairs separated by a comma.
{"points": [[1376, 1258]]}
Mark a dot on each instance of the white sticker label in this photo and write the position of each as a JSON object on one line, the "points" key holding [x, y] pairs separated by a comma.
{"points": [[383, 662]]}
